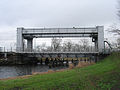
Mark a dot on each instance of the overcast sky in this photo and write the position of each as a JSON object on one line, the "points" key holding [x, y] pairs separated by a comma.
{"points": [[53, 13]]}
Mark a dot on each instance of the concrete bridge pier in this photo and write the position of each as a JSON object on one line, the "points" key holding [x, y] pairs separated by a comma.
{"points": [[95, 40], [29, 44], [96, 45]]}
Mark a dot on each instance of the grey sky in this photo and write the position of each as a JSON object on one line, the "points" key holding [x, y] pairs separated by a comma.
{"points": [[53, 13]]}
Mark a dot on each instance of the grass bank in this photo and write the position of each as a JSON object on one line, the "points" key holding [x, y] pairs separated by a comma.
{"points": [[105, 75]]}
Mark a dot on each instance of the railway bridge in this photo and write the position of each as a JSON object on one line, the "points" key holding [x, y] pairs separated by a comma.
{"points": [[96, 33], [25, 57]]}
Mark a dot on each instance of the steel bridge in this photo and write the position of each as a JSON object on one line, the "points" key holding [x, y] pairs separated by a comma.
{"points": [[96, 33]]}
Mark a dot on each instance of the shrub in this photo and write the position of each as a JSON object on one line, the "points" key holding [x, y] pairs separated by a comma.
{"points": [[71, 66]]}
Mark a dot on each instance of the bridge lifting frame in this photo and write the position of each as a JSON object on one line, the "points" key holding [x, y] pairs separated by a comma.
{"points": [[97, 34]]}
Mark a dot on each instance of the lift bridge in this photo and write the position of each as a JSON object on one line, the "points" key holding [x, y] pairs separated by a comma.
{"points": [[96, 33]]}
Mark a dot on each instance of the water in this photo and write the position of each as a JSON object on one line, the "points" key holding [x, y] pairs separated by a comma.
{"points": [[20, 70]]}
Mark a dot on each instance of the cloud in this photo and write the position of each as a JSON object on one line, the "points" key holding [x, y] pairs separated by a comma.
{"points": [[56, 12], [53, 13]]}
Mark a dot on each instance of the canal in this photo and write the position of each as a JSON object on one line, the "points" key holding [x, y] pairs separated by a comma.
{"points": [[20, 70]]}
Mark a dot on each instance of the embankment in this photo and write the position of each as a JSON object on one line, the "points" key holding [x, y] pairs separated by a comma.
{"points": [[104, 75]]}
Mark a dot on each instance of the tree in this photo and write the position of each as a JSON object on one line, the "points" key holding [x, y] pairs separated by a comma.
{"points": [[67, 46], [77, 47], [114, 29], [48, 49], [85, 45], [38, 48], [56, 44], [118, 43], [117, 30], [41, 48]]}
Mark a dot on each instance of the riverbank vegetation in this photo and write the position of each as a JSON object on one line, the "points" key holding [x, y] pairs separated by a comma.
{"points": [[104, 75]]}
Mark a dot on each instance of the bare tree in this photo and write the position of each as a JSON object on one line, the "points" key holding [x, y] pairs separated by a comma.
{"points": [[56, 44], [41, 48], [118, 9], [85, 45], [114, 44], [77, 47], [67, 46], [48, 48], [118, 43], [114, 29], [82, 45], [38, 48]]}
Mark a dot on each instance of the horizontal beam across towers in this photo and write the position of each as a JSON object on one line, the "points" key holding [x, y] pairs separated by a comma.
{"points": [[59, 35], [58, 32]]}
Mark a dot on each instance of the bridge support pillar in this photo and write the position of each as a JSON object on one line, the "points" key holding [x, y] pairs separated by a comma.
{"points": [[29, 44], [96, 45]]}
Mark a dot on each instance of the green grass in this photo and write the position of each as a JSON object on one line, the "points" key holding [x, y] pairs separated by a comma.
{"points": [[105, 75]]}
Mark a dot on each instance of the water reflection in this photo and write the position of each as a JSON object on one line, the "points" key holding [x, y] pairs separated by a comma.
{"points": [[20, 70]]}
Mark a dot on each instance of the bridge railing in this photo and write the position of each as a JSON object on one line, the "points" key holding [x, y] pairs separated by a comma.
{"points": [[81, 51]]}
